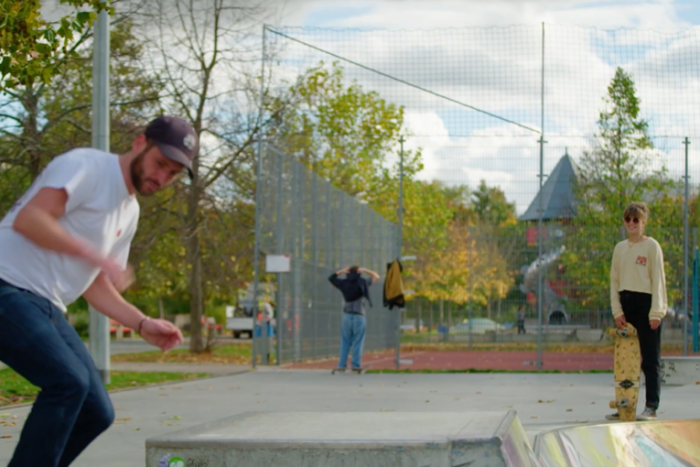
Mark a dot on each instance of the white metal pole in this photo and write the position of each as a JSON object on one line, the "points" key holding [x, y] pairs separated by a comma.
{"points": [[99, 323]]}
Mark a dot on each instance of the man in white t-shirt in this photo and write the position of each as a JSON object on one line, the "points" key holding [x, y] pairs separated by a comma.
{"points": [[69, 235]]}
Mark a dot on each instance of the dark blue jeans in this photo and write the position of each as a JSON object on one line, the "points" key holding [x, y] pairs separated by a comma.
{"points": [[73, 407]]}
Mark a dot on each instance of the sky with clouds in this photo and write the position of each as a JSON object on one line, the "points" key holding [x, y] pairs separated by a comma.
{"points": [[661, 15], [487, 54]]}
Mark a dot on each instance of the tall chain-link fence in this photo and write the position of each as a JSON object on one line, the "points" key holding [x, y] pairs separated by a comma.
{"points": [[569, 124], [322, 230]]}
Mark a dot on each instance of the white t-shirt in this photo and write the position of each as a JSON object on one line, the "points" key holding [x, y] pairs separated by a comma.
{"points": [[99, 210]]}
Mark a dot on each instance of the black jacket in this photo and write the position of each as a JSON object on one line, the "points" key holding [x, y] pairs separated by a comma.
{"points": [[353, 287]]}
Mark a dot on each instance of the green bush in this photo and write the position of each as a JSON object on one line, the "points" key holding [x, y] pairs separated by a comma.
{"points": [[218, 312], [82, 325]]}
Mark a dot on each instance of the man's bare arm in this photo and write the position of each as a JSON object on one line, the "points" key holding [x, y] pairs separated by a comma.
{"points": [[38, 222], [375, 277], [105, 298]]}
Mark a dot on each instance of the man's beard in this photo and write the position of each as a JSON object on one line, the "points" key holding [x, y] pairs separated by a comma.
{"points": [[137, 176]]}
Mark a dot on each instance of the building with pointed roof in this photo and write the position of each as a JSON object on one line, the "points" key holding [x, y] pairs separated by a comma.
{"points": [[558, 201]]}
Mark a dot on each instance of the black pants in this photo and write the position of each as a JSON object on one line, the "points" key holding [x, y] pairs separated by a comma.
{"points": [[636, 307]]}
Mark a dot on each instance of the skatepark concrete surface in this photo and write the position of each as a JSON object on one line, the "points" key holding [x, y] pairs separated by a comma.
{"points": [[543, 402]]}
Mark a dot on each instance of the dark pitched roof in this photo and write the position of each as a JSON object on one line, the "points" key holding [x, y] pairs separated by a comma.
{"points": [[557, 194]]}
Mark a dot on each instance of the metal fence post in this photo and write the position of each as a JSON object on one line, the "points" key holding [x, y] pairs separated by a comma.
{"points": [[258, 188], [540, 214], [686, 240]]}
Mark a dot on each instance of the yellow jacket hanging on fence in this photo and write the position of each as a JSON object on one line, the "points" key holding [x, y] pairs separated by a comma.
{"points": [[393, 286]]}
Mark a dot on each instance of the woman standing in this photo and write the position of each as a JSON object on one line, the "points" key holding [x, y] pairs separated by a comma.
{"points": [[638, 297]]}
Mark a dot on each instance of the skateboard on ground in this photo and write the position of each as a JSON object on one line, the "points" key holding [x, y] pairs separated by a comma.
{"points": [[627, 369], [359, 371]]}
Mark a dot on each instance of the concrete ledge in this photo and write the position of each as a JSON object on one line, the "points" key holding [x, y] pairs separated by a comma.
{"points": [[678, 371], [411, 439]]}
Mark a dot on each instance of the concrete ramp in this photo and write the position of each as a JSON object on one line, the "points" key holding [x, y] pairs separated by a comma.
{"points": [[636, 444], [368, 439]]}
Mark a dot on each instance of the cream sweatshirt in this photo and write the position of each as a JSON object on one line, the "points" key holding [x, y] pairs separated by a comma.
{"points": [[639, 267]]}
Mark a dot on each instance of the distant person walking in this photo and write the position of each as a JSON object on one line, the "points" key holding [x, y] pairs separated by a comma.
{"points": [[69, 236], [520, 318], [355, 290], [638, 297]]}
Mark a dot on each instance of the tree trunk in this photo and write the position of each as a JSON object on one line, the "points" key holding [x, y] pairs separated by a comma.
{"points": [[194, 257], [418, 320], [31, 136], [442, 313]]}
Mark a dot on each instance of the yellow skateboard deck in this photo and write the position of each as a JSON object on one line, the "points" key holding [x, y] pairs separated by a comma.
{"points": [[627, 370]]}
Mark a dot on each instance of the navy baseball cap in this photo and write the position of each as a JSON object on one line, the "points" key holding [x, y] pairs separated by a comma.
{"points": [[175, 138]]}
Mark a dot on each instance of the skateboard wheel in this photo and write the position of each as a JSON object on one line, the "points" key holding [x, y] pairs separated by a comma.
{"points": [[613, 404]]}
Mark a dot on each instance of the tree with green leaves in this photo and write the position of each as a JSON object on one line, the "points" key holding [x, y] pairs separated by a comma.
{"points": [[350, 137], [30, 45], [621, 167], [41, 121], [472, 260], [342, 132], [492, 207]]}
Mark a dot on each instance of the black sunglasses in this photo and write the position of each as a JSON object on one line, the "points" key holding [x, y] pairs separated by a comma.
{"points": [[629, 219]]}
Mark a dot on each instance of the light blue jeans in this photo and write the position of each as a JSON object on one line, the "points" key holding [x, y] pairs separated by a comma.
{"points": [[352, 334]]}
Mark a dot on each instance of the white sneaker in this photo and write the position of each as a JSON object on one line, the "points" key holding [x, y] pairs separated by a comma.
{"points": [[648, 414]]}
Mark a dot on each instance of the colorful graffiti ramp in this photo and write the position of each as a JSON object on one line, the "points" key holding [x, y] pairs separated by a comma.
{"points": [[637, 444]]}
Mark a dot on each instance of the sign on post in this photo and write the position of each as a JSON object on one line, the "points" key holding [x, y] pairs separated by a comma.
{"points": [[278, 263]]}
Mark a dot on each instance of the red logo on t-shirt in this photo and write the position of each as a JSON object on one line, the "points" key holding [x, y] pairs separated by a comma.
{"points": [[642, 260], [119, 233]]}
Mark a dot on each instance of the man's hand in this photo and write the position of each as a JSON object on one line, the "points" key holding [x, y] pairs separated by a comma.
{"points": [[654, 324], [120, 278], [621, 322], [161, 333]]}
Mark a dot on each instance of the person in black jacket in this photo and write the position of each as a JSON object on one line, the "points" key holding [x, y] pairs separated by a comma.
{"points": [[355, 290]]}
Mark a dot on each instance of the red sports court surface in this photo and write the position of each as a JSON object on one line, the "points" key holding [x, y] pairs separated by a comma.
{"points": [[479, 360]]}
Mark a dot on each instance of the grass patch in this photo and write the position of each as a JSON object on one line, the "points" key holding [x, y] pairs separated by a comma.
{"points": [[14, 389], [237, 354], [477, 370], [559, 347]]}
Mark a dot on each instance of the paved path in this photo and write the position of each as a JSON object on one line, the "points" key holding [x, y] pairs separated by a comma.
{"points": [[543, 401]]}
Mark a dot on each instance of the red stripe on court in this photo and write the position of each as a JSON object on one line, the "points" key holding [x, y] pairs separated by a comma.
{"points": [[480, 360]]}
